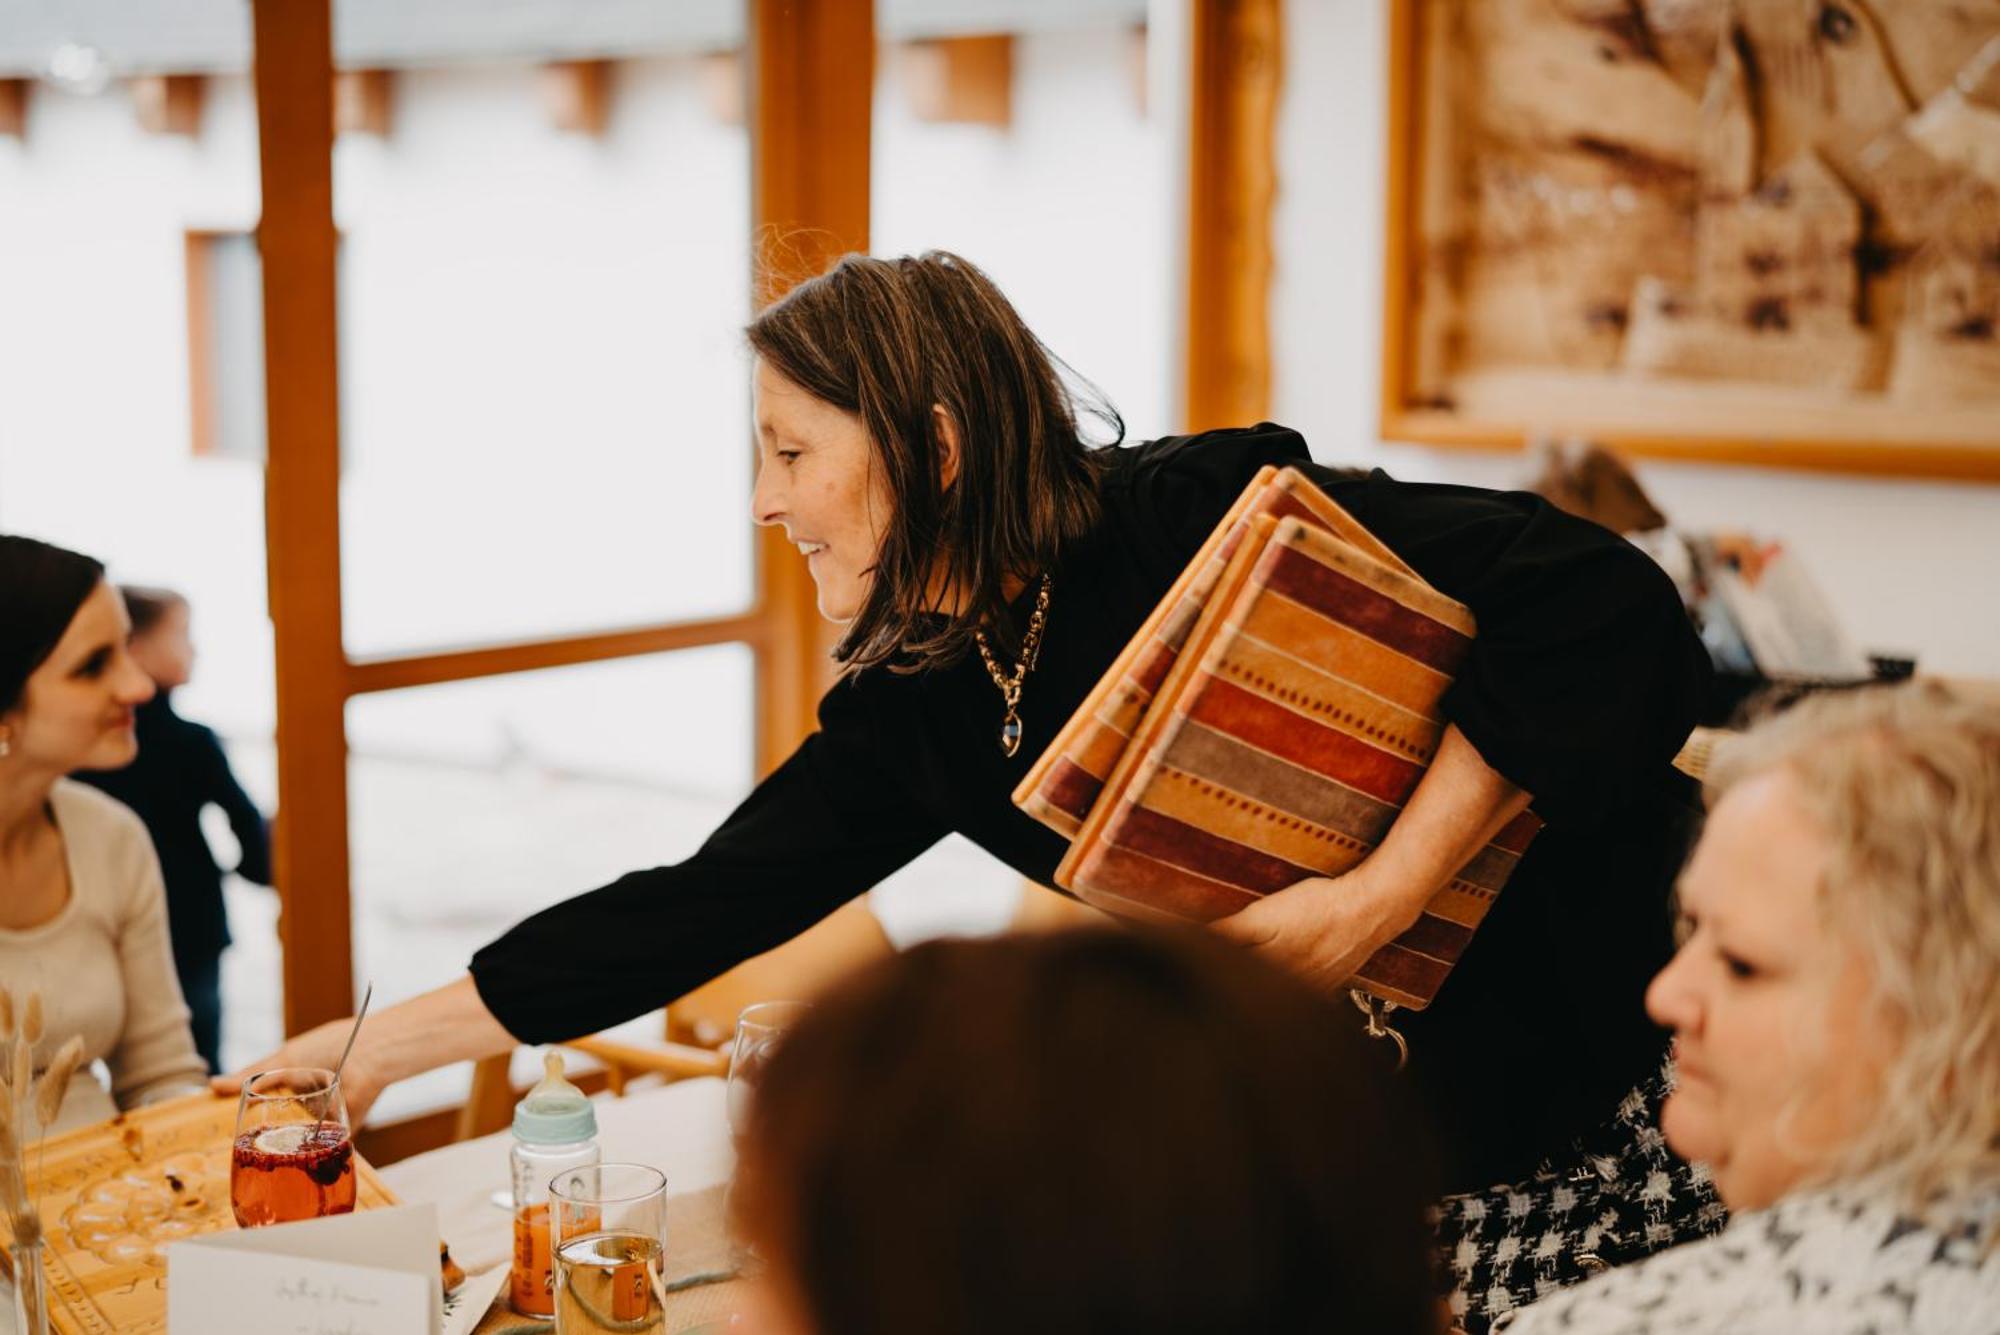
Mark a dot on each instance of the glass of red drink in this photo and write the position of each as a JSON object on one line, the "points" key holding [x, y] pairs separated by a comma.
{"points": [[294, 1156]]}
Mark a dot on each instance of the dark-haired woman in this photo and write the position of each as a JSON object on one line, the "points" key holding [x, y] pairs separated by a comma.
{"points": [[180, 772], [1084, 1133], [917, 442], [83, 915]]}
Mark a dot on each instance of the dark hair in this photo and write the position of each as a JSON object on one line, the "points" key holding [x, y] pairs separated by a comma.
{"points": [[41, 587], [1097, 1131], [890, 340], [145, 605]]}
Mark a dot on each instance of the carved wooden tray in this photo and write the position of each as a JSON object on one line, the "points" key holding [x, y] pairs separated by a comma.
{"points": [[114, 1195]]}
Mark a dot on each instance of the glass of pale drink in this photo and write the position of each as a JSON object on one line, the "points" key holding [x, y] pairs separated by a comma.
{"points": [[608, 1232]]}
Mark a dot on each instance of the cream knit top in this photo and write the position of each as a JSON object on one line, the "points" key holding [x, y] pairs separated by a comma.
{"points": [[104, 965]]}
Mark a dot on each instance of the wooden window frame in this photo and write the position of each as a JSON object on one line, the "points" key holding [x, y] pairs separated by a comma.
{"points": [[810, 161], [810, 72], [1236, 68], [197, 267]]}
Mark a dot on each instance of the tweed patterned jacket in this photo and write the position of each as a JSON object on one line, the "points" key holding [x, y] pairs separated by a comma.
{"points": [[1841, 1261]]}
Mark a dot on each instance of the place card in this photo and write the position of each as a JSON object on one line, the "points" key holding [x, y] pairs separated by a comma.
{"points": [[373, 1273]]}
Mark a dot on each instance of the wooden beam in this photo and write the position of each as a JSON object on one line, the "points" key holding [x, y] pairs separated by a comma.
{"points": [[199, 269], [364, 102], [1398, 276], [168, 103], [293, 76], [1137, 72], [959, 80], [577, 95], [395, 673], [812, 79], [1237, 48], [14, 107]]}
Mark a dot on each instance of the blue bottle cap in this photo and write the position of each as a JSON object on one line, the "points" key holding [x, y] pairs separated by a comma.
{"points": [[555, 1112]]}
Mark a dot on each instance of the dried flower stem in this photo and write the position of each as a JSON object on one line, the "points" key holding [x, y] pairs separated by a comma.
{"points": [[20, 1094]]}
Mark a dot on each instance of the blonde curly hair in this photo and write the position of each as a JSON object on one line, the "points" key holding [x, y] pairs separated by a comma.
{"points": [[1904, 782]]}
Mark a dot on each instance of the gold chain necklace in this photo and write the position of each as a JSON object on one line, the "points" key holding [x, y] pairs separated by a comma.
{"points": [[1010, 687]]}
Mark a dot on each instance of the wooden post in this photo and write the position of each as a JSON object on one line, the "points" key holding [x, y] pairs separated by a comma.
{"points": [[293, 76], [1237, 62], [812, 79], [1397, 280], [14, 107]]}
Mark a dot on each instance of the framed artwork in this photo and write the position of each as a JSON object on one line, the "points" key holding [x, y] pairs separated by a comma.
{"points": [[1754, 231]]}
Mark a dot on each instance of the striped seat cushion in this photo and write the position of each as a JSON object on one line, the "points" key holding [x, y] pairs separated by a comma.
{"points": [[1266, 725]]}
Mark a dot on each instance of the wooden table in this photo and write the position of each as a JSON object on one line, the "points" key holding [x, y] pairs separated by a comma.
{"points": [[115, 1195], [681, 1129]]}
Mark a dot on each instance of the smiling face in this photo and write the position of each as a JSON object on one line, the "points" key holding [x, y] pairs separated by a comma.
{"points": [[816, 477], [1780, 1049], [76, 712]]}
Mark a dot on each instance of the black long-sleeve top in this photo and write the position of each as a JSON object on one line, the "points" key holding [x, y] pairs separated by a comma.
{"points": [[181, 769], [1583, 681]]}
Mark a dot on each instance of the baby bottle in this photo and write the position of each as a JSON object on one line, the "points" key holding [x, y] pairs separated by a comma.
{"points": [[555, 1131]]}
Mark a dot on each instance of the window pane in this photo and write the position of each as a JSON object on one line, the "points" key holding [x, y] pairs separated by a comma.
{"points": [[1068, 205], [231, 322], [546, 394], [474, 804], [98, 198]]}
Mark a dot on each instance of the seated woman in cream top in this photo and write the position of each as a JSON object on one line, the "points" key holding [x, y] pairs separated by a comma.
{"points": [[82, 908]]}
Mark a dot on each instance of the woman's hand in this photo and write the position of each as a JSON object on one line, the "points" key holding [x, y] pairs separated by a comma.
{"points": [[1322, 929], [450, 1024], [359, 1087]]}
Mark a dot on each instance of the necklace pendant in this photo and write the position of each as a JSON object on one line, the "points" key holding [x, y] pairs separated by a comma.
{"points": [[1010, 733]]}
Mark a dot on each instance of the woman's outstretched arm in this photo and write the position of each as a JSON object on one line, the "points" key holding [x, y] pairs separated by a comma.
{"points": [[450, 1024]]}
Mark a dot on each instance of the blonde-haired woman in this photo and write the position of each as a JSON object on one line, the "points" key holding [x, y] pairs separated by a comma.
{"points": [[1836, 1017]]}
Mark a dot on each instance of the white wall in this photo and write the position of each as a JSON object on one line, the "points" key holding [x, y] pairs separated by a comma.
{"points": [[1908, 565], [544, 392], [1067, 209]]}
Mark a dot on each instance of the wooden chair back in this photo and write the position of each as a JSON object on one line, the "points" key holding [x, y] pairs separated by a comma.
{"points": [[846, 939]]}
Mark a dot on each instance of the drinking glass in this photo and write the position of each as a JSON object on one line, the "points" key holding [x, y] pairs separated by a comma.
{"points": [[608, 1229], [294, 1154], [759, 1029]]}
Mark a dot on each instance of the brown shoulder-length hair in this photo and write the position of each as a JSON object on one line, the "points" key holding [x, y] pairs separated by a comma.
{"points": [[1092, 1132], [891, 340]]}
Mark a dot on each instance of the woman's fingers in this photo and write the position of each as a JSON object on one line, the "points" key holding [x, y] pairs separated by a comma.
{"points": [[1246, 927], [316, 1047]]}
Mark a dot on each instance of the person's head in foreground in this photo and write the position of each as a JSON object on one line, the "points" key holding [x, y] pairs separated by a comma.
{"points": [[1836, 1003], [1091, 1131]]}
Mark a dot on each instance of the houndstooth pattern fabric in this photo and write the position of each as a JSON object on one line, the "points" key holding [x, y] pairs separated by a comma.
{"points": [[1620, 1195], [1845, 1260]]}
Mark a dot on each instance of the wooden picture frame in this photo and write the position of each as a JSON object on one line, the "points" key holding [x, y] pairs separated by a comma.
{"points": [[1880, 343]]}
